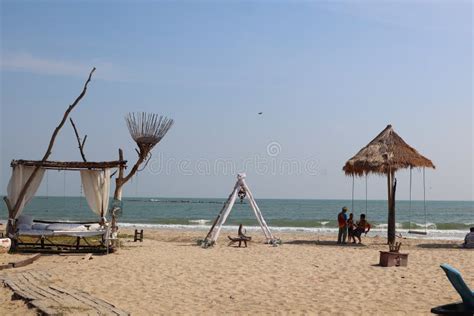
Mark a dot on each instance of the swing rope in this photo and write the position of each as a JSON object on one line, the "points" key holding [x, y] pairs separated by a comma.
{"points": [[366, 209], [352, 204], [409, 203], [64, 191], [47, 185], [424, 201], [366, 199], [419, 232]]}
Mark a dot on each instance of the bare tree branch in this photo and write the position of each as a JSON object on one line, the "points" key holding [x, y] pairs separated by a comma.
{"points": [[84, 141], [121, 179], [81, 144], [134, 169], [146, 162], [51, 143], [113, 174]]}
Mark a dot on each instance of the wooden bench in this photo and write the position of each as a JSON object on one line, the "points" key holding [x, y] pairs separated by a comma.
{"points": [[239, 240]]}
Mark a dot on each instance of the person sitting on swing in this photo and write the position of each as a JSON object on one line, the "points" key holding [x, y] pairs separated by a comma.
{"points": [[242, 233], [362, 227], [242, 237], [351, 227]]}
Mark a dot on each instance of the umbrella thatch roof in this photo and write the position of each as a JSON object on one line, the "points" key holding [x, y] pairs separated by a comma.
{"points": [[386, 153]]}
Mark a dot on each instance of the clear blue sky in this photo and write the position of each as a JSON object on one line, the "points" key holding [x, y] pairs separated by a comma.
{"points": [[328, 77]]}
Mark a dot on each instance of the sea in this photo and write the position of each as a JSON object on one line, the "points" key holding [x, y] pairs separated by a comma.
{"points": [[443, 220]]}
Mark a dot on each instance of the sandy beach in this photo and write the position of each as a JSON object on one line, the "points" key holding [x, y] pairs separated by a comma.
{"points": [[291, 121], [308, 274]]}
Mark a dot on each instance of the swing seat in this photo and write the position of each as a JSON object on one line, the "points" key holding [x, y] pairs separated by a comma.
{"points": [[239, 240], [417, 232]]}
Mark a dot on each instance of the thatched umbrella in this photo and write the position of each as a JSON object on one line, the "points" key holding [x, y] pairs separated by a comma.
{"points": [[385, 154]]}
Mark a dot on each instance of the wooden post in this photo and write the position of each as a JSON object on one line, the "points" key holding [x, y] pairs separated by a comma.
{"points": [[263, 224], [118, 190], [79, 142], [209, 234], [119, 180], [214, 234], [391, 207]]}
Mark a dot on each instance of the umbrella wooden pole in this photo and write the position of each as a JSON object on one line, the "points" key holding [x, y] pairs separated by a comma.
{"points": [[389, 199], [391, 207]]}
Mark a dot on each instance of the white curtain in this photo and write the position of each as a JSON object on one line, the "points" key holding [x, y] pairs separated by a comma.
{"points": [[96, 184], [20, 176]]}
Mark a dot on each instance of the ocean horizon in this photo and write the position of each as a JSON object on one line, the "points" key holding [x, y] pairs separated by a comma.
{"points": [[444, 219]]}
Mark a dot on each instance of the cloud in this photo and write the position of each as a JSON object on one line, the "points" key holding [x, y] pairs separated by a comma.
{"points": [[427, 16], [47, 66]]}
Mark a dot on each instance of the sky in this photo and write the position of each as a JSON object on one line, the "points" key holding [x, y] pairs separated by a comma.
{"points": [[328, 77]]}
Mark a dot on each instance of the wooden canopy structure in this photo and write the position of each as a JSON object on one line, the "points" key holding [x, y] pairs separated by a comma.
{"points": [[146, 129], [95, 180], [70, 165], [384, 155]]}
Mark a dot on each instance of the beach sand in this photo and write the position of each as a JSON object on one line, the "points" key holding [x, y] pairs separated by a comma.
{"points": [[309, 274]]}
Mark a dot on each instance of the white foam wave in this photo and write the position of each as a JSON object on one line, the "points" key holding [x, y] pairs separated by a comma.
{"points": [[427, 225], [431, 233], [385, 225], [199, 221]]}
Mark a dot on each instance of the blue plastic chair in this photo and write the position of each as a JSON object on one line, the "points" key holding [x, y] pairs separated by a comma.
{"points": [[467, 295], [458, 283]]}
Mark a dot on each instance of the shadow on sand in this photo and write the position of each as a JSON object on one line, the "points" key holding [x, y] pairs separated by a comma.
{"points": [[321, 243], [442, 246]]}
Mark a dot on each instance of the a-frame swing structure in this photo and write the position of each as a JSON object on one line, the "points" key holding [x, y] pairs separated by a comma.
{"points": [[240, 186]]}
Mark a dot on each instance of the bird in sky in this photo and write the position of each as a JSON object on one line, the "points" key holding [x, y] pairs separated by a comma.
{"points": [[260, 113]]}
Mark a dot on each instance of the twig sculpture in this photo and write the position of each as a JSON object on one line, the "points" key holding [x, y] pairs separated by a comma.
{"points": [[147, 130]]}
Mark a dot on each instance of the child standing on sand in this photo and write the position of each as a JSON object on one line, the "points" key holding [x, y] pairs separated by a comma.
{"points": [[362, 226], [350, 227]]}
